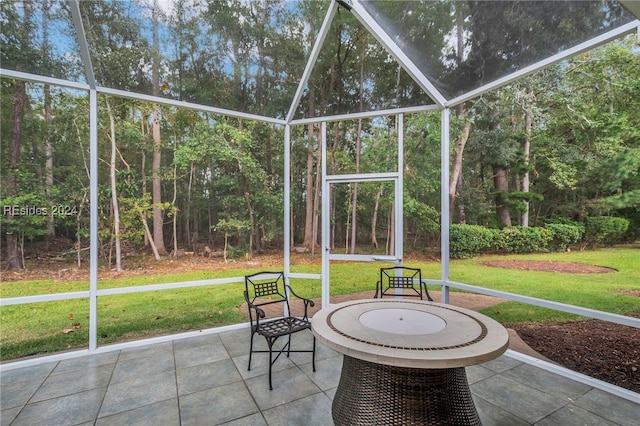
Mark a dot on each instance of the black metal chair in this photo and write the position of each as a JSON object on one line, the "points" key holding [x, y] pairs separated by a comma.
{"points": [[409, 280], [269, 288]]}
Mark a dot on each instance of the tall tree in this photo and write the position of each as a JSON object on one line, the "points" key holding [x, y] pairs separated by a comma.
{"points": [[115, 205], [48, 134], [14, 254], [156, 167]]}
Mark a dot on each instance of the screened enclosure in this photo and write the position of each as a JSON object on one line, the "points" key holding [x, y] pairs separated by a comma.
{"points": [[240, 127]]}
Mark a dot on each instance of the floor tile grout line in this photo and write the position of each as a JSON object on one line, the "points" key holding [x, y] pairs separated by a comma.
{"points": [[175, 374], [115, 365]]}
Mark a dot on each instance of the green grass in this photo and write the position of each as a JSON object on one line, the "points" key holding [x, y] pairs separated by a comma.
{"points": [[594, 291], [44, 327]]}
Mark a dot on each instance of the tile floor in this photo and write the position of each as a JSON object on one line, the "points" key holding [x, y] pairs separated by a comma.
{"points": [[204, 381]]}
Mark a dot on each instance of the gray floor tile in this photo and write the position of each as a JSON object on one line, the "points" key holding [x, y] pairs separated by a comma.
{"points": [[191, 355], [204, 380], [617, 410], [132, 394], [84, 362], [527, 403], [260, 365], [501, 364], [323, 352], [66, 410], [143, 368], [7, 416], [17, 394], [146, 351], [76, 381], [27, 374], [572, 415], [545, 381], [217, 405], [477, 373], [327, 374], [492, 415], [236, 342], [163, 413], [288, 385], [314, 410], [206, 376], [197, 341], [252, 420], [331, 392]]}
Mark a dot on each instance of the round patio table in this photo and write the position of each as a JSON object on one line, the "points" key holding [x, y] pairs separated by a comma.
{"points": [[404, 360]]}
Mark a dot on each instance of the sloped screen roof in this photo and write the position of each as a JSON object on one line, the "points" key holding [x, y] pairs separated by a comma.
{"points": [[460, 46], [243, 56], [252, 56]]}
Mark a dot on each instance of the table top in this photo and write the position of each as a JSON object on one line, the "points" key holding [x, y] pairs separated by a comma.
{"points": [[410, 333]]}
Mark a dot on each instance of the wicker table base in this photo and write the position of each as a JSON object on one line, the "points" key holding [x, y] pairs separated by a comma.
{"points": [[377, 394]]}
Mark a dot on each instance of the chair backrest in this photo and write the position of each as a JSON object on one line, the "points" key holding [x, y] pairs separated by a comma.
{"points": [[266, 288], [402, 277]]}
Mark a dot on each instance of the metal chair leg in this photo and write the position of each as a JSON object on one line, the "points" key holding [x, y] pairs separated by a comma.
{"points": [[250, 351]]}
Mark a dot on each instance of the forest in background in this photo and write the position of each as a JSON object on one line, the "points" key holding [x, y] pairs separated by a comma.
{"points": [[564, 142]]}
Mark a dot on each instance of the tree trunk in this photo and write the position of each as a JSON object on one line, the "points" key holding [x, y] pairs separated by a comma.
{"points": [[316, 202], [14, 257], [354, 203], [114, 188], [332, 156], [48, 164], [308, 218], [156, 184], [147, 232], [354, 211], [190, 241], [462, 111], [252, 220], [462, 217], [173, 205], [501, 185], [390, 246], [526, 149], [374, 219], [48, 146]]}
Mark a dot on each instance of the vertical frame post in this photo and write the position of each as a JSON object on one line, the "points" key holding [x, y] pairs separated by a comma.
{"points": [[287, 200], [93, 213], [326, 240], [444, 203]]}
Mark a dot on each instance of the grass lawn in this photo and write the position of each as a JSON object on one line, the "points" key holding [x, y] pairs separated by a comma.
{"points": [[55, 326]]}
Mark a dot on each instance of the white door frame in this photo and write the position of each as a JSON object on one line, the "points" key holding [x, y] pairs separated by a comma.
{"points": [[327, 180]]}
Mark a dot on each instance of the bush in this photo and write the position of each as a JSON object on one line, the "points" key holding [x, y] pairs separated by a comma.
{"points": [[469, 240], [521, 239], [564, 235], [605, 230]]}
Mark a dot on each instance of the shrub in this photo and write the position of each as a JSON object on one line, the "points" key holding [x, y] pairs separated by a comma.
{"points": [[606, 230], [469, 240], [563, 235], [521, 239]]}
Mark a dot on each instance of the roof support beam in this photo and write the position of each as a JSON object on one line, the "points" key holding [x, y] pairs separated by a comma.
{"points": [[82, 43], [367, 114], [395, 51], [315, 52]]}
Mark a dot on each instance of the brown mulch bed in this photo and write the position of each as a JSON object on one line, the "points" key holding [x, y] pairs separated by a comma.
{"points": [[549, 266], [603, 350]]}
